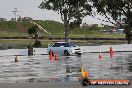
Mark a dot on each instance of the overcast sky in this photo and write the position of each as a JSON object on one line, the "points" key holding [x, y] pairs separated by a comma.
{"points": [[29, 8]]}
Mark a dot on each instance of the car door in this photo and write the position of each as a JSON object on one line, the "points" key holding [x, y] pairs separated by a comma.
{"points": [[61, 49], [65, 47], [56, 48]]}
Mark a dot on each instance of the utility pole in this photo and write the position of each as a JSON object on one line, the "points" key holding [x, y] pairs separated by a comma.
{"points": [[15, 11]]}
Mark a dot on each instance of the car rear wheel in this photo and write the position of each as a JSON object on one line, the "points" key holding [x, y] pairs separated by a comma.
{"points": [[66, 53]]}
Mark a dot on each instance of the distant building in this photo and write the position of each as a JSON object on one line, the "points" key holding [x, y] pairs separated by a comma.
{"points": [[85, 25], [2, 19], [26, 18], [13, 19], [23, 19]]}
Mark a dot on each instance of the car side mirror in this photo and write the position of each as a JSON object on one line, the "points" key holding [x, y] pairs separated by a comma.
{"points": [[61, 46]]}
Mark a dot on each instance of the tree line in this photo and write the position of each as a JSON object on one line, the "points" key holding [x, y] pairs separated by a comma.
{"points": [[73, 11]]}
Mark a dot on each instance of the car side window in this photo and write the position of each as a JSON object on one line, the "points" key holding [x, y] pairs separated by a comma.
{"points": [[65, 44], [56, 45]]}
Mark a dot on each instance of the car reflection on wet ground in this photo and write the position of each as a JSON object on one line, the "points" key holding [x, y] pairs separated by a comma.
{"points": [[39, 68]]}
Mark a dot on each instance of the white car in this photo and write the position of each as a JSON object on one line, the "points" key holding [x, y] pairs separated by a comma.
{"points": [[64, 48]]}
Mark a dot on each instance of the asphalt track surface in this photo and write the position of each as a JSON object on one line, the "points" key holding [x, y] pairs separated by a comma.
{"points": [[57, 85]]}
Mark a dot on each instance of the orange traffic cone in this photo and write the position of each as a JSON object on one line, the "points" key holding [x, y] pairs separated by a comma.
{"points": [[56, 56], [51, 55], [86, 74], [100, 56], [16, 59]]}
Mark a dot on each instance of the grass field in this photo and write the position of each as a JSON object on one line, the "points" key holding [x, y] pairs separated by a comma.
{"points": [[19, 29]]}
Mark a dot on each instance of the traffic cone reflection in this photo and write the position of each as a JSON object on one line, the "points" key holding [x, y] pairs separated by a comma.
{"points": [[100, 56], [111, 52], [16, 59], [56, 56]]}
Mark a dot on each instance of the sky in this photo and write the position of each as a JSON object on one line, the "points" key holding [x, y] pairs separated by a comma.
{"points": [[29, 8]]}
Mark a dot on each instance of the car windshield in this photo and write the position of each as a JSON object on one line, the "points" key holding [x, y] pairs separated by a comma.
{"points": [[68, 45]]}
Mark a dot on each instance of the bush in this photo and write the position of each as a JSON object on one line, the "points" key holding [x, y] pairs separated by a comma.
{"points": [[37, 44]]}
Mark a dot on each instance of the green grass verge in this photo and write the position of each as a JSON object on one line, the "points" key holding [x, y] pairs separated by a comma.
{"points": [[23, 43]]}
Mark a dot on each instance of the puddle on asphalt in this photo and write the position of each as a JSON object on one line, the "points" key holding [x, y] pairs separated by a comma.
{"points": [[39, 68]]}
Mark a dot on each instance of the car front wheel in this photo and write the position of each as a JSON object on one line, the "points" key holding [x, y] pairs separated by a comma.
{"points": [[66, 53]]}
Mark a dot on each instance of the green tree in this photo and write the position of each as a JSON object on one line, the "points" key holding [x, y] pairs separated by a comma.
{"points": [[34, 32], [71, 11], [116, 9]]}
